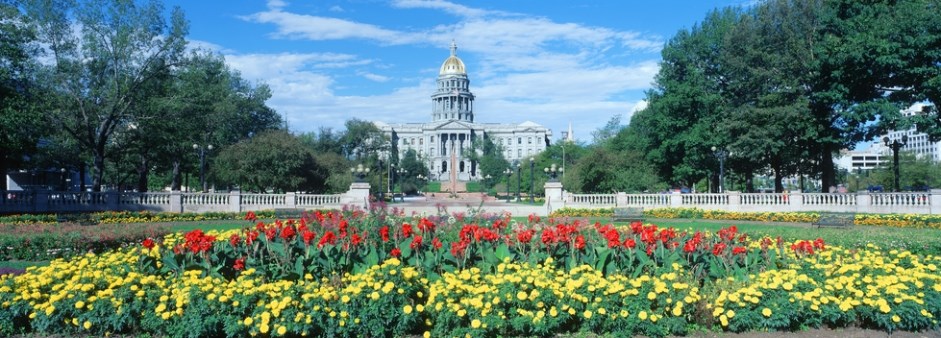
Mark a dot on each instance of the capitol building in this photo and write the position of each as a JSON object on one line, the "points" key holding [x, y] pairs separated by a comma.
{"points": [[441, 143]]}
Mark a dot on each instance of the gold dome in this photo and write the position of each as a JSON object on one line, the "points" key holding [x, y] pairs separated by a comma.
{"points": [[453, 64]]}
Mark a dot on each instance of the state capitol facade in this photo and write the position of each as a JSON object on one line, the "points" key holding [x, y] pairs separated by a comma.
{"points": [[441, 143]]}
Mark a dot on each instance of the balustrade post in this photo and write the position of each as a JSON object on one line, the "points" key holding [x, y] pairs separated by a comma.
{"points": [[112, 200], [176, 201], [795, 200], [735, 200], [235, 201], [620, 199], [676, 199], [290, 200], [553, 196], [863, 200], [934, 199], [41, 201]]}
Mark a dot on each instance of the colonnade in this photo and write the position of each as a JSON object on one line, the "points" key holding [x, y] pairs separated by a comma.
{"points": [[456, 142]]}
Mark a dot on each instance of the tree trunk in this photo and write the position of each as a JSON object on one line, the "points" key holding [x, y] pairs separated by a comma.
{"points": [[81, 176], [99, 172], [3, 171], [749, 182], [826, 168], [142, 174]]}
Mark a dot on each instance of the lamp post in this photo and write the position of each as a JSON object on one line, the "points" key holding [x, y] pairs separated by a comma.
{"points": [[721, 155], [399, 172], [202, 163], [359, 173], [380, 192], [63, 179], [895, 145], [508, 172], [519, 180], [553, 172]]}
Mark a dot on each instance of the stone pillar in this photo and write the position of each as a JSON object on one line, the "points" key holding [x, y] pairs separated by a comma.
{"points": [[795, 200], [934, 201], [290, 200], [112, 200], [554, 197], [176, 201], [41, 201], [358, 195], [864, 201], [235, 201], [735, 200], [676, 199], [621, 199]]}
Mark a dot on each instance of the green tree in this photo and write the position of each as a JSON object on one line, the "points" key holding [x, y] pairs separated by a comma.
{"points": [[101, 63], [271, 161], [413, 166], [488, 157], [20, 114]]}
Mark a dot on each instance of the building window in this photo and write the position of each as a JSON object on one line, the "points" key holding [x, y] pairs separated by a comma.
{"points": [[519, 140], [432, 139], [519, 153], [530, 140]]}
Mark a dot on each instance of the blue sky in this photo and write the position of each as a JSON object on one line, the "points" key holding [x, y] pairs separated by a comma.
{"points": [[551, 62]]}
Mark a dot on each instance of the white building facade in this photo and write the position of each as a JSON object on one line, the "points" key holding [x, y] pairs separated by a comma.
{"points": [[443, 142], [879, 154]]}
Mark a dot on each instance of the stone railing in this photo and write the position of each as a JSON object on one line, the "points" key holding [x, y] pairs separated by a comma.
{"points": [[906, 202], [55, 201]]}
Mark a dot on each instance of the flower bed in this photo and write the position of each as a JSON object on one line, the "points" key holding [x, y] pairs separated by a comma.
{"points": [[892, 220], [121, 217], [358, 274]]}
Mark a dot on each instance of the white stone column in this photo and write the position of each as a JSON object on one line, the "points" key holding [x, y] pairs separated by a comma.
{"points": [[554, 198], [934, 201]]}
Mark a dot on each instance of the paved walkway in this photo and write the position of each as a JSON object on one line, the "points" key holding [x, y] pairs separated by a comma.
{"points": [[430, 203]]}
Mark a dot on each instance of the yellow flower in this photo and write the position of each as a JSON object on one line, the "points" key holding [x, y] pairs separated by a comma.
{"points": [[282, 330], [475, 323], [766, 312], [724, 320], [730, 314], [407, 309], [426, 334], [79, 304], [87, 325], [642, 315], [587, 314], [248, 321], [896, 318]]}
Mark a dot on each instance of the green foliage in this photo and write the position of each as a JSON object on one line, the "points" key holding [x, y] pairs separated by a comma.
{"points": [[272, 161], [39, 242]]}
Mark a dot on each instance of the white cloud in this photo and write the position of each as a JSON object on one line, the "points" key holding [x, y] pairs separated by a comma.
{"points": [[446, 6], [336, 8], [299, 26], [374, 77], [526, 68]]}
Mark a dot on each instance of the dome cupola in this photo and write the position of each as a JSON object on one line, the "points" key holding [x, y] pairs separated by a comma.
{"points": [[453, 64]]}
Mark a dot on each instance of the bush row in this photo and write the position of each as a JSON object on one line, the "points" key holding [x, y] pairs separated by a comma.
{"points": [[42, 242]]}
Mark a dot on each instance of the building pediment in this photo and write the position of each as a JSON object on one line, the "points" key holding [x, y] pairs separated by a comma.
{"points": [[449, 125]]}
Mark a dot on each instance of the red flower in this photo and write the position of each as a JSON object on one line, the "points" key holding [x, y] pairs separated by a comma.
{"points": [[738, 250], [384, 233], [239, 264], [234, 240], [148, 243], [525, 236], [288, 233], [406, 230], [689, 247], [396, 252], [250, 237], [425, 225], [250, 216], [356, 239], [579, 242], [308, 236], [416, 242], [436, 243], [328, 238], [718, 248], [630, 243], [271, 232]]}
